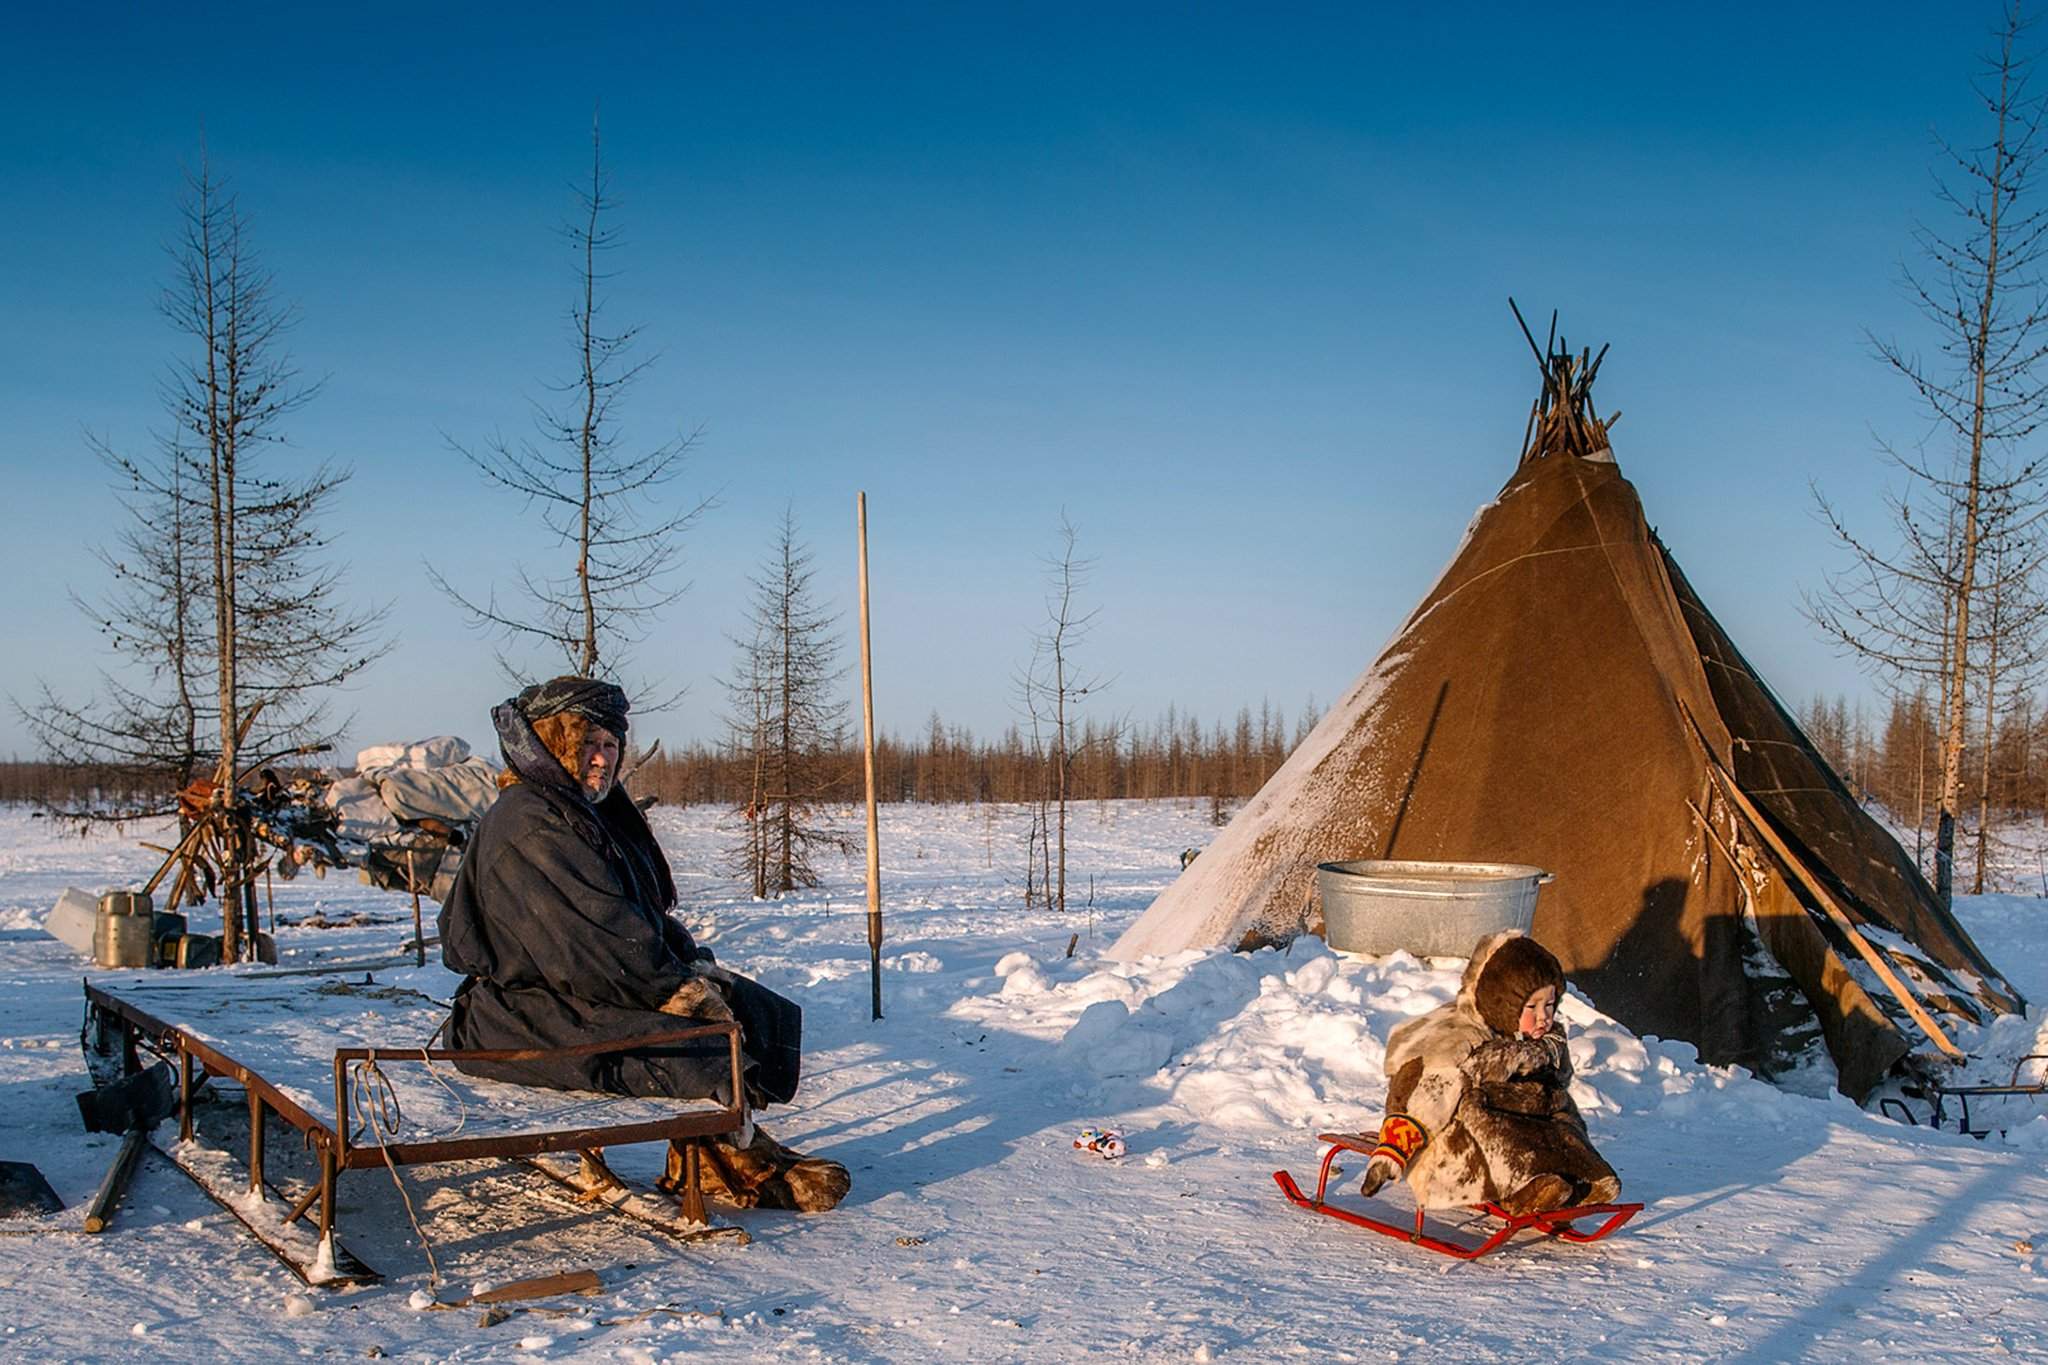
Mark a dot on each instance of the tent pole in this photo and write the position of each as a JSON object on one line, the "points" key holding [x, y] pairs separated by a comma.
{"points": [[1828, 904], [867, 713], [1893, 982]]}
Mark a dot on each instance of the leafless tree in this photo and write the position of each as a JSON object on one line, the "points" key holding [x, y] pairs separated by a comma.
{"points": [[747, 740], [1052, 689], [281, 637], [1979, 287], [785, 721], [601, 503], [223, 600], [2013, 646]]}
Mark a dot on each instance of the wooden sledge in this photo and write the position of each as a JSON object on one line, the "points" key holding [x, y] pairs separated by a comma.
{"points": [[118, 1030], [1556, 1223]]}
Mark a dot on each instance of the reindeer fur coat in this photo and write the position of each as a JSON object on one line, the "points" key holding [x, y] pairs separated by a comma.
{"points": [[1483, 1113]]}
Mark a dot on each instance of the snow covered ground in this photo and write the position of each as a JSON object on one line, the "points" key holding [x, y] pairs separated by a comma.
{"points": [[1779, 1227]]}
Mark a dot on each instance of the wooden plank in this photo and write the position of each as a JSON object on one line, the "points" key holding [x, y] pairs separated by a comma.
{"points": [[100, 1212], [546, 1286], [1725, 781]]}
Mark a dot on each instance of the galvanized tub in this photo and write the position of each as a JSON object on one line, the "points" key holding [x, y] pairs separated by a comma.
{"points": [[1379, 905]]}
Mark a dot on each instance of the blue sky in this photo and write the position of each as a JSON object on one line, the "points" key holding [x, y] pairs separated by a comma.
{"points": [[1226, 284]]}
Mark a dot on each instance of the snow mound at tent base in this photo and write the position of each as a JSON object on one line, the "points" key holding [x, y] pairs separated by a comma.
{"points": [[1295, 1039]]}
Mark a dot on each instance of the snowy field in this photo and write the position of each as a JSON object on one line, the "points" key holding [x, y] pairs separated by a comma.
{"points": [[1779, 1227]]}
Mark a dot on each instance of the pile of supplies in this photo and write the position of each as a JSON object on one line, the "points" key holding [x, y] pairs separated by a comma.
{"points": [[409, 809]]}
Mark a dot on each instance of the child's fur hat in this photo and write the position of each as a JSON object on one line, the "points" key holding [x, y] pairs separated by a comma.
{"points": [[1516, 970]]}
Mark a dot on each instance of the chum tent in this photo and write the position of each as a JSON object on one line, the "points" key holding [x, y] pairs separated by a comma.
{"points": [[1562, 697]]}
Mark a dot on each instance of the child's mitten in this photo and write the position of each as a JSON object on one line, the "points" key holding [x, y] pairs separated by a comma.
{"points": [[1401, 1138]]}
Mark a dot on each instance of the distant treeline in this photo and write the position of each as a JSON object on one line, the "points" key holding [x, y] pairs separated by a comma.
{"points": [[1896, 764], [1173, 757], [79, 785], [1897, 761]]}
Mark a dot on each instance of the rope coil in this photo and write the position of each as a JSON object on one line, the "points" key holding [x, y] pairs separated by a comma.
{"points": [[376, 1102]]}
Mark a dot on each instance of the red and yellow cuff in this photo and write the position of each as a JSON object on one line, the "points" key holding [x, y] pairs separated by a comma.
{"points": [[1400, 1139]]}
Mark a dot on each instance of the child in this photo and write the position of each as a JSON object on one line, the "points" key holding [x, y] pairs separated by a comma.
{"points": [[1479, 1106]]}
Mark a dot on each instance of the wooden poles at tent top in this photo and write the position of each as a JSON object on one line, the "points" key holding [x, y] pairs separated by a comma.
{"points": [[867, 719], [1562, 422]]}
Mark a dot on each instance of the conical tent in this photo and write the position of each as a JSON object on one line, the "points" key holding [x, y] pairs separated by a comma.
{"points": [[1563, 698]]}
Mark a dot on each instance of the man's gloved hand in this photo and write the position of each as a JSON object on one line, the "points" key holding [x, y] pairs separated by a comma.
{"points": [[700, 1000], [1378, 1172]]}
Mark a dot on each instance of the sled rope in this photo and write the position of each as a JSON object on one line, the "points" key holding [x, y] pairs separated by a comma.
{"points": [[377, 1102]]}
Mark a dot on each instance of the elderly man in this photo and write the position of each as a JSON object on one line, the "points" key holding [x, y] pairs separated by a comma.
{"points": [[558, 919]]}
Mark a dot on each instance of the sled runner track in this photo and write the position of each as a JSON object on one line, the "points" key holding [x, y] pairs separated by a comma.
{"points": [[1555, 1223]]}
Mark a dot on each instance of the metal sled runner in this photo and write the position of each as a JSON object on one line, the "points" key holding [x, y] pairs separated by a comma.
{"points": [[1553, 1223]]}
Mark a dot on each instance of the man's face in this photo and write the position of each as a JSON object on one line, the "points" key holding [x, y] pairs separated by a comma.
{"points": [[599, 762]]}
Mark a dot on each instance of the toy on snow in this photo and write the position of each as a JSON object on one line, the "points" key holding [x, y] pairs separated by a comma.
{"points": [[1107, 1143], [1552, 1223]]}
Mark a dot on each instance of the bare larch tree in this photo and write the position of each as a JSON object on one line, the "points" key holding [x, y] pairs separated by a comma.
{"points": [[1911, 613], [223, 598], [2013, 641], [748, 692], [601, 502], [1051, 690], [786, 721], [148, 721]]}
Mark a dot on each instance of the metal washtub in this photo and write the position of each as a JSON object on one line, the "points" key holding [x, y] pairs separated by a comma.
{"points": [[1379, 905]]}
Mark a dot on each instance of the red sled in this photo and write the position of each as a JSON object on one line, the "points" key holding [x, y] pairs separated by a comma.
{"points": [[1553, 1223]]}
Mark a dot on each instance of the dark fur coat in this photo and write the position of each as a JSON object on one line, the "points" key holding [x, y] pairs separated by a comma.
{"points": [[559, 921]]}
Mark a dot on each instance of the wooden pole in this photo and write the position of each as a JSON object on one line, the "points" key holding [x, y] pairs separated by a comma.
{"points": [[185, 846], [419, 932], [1761, 825], [256, 1117], [101, 1211], [184, 1093], [867, 714], [237, 879], [1893, 982], [252, 933]]}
